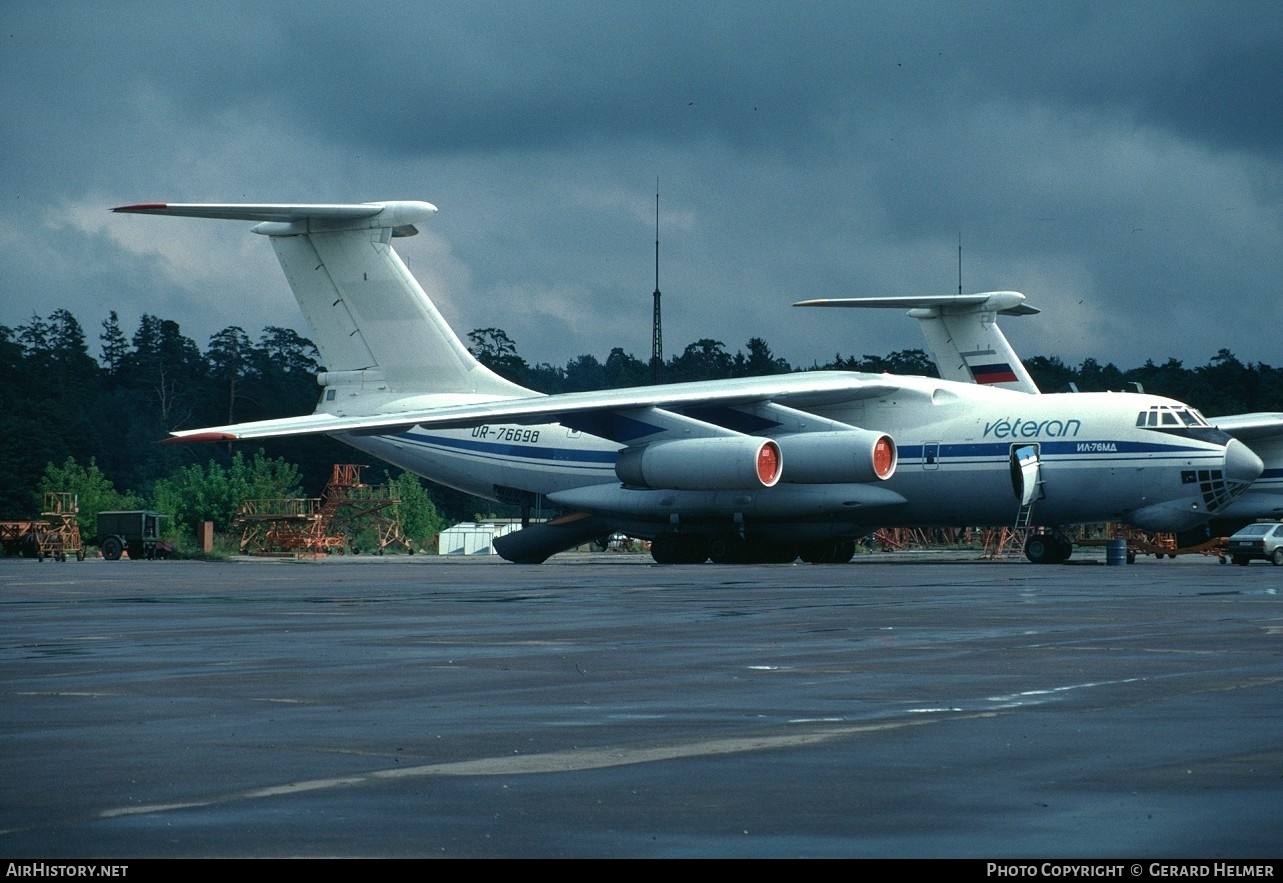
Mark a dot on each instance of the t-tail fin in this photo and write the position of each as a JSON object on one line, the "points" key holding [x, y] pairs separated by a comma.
{"points": [[374, 326], [962, 333]]}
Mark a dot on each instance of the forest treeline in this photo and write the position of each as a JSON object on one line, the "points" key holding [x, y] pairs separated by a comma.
{"points": [[95, 417]]}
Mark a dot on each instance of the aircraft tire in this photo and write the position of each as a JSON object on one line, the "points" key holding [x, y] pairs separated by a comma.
{"points": [[728, 549], [671, 548], [829, 552], [1063, 548], [820, 553], [1040, 549], [845, 552], [768, 552]]}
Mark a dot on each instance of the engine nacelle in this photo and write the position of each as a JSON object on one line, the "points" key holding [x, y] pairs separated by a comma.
{"points": [[852, 456], [702, 464]]}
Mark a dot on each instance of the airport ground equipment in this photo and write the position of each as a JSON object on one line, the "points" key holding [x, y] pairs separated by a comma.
{"points": [[133, 531], [22, 537], [284, 526], [62, 538], [56, 534], [1158, 544], [301, 526]]}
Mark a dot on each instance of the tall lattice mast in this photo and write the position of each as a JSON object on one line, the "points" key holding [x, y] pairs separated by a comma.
{"points": [[656, 334]]}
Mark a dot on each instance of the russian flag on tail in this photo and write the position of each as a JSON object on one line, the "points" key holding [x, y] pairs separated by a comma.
{"points": [[994, 372]]}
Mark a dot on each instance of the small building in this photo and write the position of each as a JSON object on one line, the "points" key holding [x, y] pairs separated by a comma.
{"points": [[473, 538]]}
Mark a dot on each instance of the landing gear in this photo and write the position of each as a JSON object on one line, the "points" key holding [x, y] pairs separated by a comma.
{"points": [[829, 552], [728, 548], [672, 548], [774, 553], [1048, 548], [734, 549]]}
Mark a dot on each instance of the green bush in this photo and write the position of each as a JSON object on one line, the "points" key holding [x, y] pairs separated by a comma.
{"points": [[214, 493]]}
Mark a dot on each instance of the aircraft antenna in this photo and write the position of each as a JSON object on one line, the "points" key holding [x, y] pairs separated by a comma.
{"points": [[656, 334]]}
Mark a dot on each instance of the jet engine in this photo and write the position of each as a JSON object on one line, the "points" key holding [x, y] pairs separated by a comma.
{"points": [[852, 456], [702, 464]]}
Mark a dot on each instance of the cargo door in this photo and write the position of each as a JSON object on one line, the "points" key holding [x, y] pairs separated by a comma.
{"points": [[1026, 474]]}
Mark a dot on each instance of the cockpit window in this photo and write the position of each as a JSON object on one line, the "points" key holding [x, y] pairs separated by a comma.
{"points": [[1166, 415]]}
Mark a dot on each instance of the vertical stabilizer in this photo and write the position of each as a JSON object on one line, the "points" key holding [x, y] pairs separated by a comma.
{"points": [[372, 323], [962, 333]]}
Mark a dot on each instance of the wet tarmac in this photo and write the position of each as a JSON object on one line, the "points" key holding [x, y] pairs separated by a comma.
{"points": [[902, 705]]}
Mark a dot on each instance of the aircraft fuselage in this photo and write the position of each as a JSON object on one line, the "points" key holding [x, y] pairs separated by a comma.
{"points": [[955, 447]]}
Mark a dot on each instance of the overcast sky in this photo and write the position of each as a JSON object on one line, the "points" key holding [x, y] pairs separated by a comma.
{"points": [[1121, 163]]}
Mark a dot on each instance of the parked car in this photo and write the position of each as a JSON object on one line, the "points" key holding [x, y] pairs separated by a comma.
{"points": [[1261, 540]]}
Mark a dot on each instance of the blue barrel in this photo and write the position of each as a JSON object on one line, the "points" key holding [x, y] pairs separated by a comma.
{"points": [[1116, 552]]}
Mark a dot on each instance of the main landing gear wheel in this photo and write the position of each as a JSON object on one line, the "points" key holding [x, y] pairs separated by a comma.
{"points": [[671, 548], [1046, 548], [734, 549], [727, 550], [829, 552]]}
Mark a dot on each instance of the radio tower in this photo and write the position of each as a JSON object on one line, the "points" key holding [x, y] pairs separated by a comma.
{"points": [[656, 334]]}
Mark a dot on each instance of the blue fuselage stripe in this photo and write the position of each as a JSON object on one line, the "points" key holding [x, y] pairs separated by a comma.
{"points": [[1091, 449]]}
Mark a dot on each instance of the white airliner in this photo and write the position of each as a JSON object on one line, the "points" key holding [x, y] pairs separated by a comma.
{"points": [[758, 469], [968, 346]]}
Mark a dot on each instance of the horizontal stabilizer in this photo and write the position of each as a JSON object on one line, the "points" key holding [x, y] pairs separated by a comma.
{"points": [[1009, 303], [400, 216], [378, 333], [962, 333]]}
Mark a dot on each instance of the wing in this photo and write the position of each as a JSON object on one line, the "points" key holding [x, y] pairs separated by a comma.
{"points": [[1251, 427], [620, 415]]}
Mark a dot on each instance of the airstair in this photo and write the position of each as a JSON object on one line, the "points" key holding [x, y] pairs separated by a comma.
{"points": [[1026, 479]]}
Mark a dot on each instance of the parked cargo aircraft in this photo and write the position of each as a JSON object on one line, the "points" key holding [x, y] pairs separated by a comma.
{"points": [[968, 346], [755, 469]]}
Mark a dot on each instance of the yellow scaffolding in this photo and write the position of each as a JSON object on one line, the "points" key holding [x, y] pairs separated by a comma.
{"points": [[58, 534]]}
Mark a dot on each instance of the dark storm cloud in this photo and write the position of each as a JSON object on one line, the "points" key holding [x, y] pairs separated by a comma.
{"points": [[1118, 162]]}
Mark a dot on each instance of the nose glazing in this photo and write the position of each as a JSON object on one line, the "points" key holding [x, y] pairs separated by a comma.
{"points": [[1242, 466]]}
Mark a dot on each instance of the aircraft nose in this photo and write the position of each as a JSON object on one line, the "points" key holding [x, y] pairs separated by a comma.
{"points": [[1242, 466]]}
